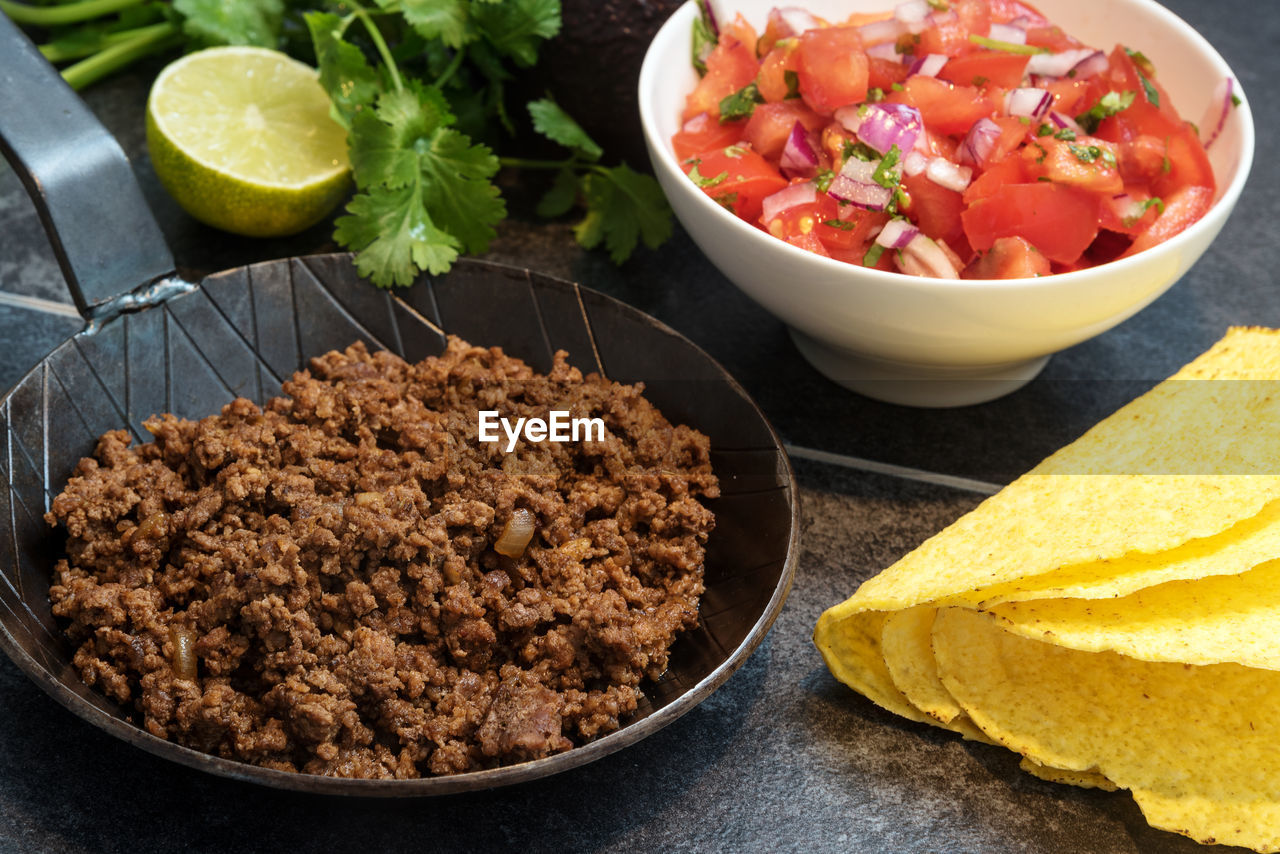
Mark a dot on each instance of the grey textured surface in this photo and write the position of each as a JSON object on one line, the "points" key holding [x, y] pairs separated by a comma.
{"points": [[782, 757]]}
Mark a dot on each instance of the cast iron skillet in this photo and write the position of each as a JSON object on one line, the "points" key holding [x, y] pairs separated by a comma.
{"points": [[153, 343]]}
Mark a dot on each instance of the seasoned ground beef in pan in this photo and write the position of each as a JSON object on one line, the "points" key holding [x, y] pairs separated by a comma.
{"points": [[313, 587]]}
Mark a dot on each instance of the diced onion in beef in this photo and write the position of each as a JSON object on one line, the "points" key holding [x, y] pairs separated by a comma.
{"points": [[886, 125], [896, 234], [944, 173], [184, 652], [977, 145], [1215, 117], [788, 197], [516, 534], [1032, 103]]}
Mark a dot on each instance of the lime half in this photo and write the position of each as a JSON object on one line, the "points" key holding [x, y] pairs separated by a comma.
{"points": [[242, 138]]}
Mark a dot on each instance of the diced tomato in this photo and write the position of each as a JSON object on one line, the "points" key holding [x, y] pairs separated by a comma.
{"points": [[1051, 37], [834, 137], [1013, 133], [730, 66], [975, 15], [1182, 208], [945, 107], [1087, 163], [704, 132], [770, 125], [832, 68], [855, 223], [772, 79], [1010, 170], [810, 243], [1068, 95], [949, 36], [1008, 258], [1004, 11], [1188, 164], [1128, 213], [983, 67], [883, 73], [739, 29], [737, 178], [1059, 221], [934, 208]]}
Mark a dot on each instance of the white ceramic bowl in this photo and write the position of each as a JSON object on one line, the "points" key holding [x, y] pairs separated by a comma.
{"points": [[929, 342]]}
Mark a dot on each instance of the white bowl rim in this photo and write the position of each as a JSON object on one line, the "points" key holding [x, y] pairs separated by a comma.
{"points": [[683, 17]]}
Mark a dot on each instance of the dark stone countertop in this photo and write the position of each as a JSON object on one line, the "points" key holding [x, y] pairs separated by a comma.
{"points": [[782, 757]]}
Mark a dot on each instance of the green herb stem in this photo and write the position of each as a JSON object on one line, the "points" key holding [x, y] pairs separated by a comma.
{"points": [[1007, 47], [57, 52], [57, 16], [145, 41], [381, 44], [451, 68], [526, 163]]}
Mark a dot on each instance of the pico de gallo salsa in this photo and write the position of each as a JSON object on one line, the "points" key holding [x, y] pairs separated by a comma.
{"points": [[948, 138]]}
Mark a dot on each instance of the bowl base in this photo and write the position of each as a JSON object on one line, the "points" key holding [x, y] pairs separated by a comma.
{"points": [[926, 386]]}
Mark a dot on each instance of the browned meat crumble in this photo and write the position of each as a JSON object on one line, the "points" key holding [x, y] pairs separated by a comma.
{"points": [[314, 587]]}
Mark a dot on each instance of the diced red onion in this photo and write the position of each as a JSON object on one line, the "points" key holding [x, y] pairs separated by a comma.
{"points": [[788, 197], [885, 50], [1059, 64], [914, 163], [923, 257], [700, 122], [896, 234], [977, 145], [848, 117], [712, 20], [1022, 22], [856, 185], [928, 66], [1061, 120], [886, 125], [1032, 103], [1008, 33], [1215, 116], [944, 173], [799, 160], [912, 11], [1093, 64], [887, 30], [792, 21], [937, 19]]}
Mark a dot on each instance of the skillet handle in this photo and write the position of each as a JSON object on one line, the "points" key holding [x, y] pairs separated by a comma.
{"points": [[103, 234]]}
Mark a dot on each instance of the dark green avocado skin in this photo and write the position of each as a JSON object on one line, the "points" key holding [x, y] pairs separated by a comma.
{"points": [[593, 67]]}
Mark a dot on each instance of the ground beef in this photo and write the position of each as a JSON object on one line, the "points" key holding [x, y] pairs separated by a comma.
{"points": [[313, 587]]}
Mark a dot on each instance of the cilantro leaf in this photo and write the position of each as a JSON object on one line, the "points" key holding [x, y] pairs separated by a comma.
{"points": [[740, 104], [516, 28], [456, 187], [436, 19], [383, 142], [1108, 105], [344, 72], [560, 198], [558, 126], [623, 207], [394, 237], [236, 22], [704, 39]]}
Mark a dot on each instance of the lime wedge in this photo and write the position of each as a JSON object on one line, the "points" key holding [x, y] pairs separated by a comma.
{"points": [[242, 138]]}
